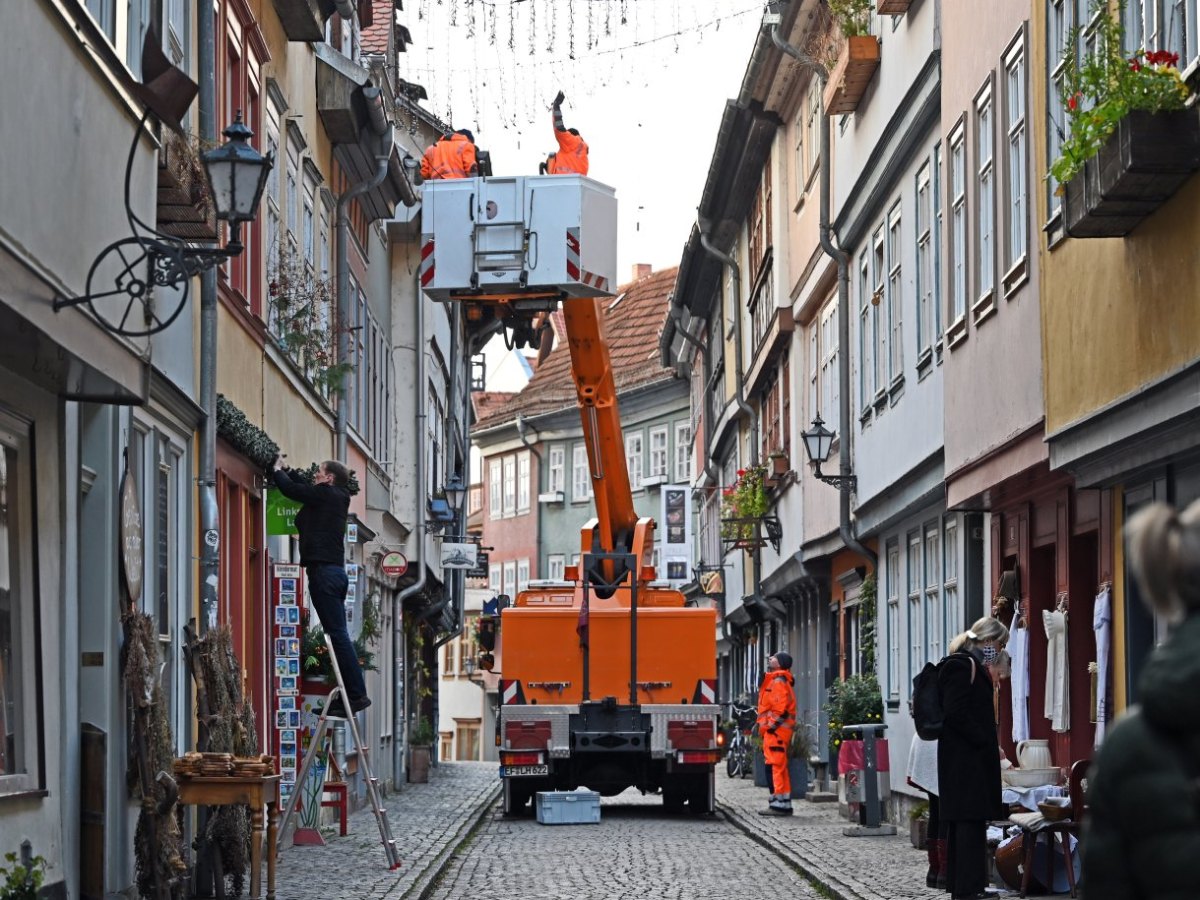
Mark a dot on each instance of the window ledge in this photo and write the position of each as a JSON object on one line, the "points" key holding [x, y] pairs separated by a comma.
{"points": [[924, 363], [1016, 276], [551, 497], [864, 417], [881, 399], [957, 332], [30, 794], [896, 389], [984, 308], [1055, 233]]}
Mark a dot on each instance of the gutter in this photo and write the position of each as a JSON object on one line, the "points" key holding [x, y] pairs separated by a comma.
{"points": [[845, 524]]}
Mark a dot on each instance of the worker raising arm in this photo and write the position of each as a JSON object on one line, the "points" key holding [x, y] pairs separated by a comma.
{"points": [[572, 155]]}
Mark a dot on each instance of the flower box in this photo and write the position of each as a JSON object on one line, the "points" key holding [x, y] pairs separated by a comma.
{"points": [[1141, 165], [893, 7], [183, 208], [780, 464], [853, 73]]}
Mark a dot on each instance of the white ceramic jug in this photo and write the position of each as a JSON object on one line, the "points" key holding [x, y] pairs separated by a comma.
{"points": [[1034, 754]]}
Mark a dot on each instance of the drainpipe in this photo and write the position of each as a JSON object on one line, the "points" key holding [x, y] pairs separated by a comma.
{"points": [[845, 525], [209, 534], [382, 157], [399, 695]]}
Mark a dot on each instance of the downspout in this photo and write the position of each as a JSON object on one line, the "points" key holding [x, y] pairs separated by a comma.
{"points": [[399, 695], [209, 518], [382, 158], [845, 524], [710, 472]]}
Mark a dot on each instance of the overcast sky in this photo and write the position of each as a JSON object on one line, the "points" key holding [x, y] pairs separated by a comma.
{"points": [[646, 95]]}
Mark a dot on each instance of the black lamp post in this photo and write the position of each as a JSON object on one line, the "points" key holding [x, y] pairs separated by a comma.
{"points": [[128, 272], [818, 442], [455, 491]]}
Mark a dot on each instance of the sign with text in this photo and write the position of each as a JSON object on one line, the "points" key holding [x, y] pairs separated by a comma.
{"points": [[394, 564], [132, 552], [281, 513], [481, 566], [459, 556]]}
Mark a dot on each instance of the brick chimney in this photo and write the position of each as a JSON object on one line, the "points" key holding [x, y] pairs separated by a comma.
{"points": [[641, 270]]}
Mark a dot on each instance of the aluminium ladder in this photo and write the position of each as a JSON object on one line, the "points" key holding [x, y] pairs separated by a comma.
{"points": [[318, 739]]}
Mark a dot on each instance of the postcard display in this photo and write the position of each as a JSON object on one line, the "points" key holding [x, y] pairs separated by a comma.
{"points": [[287, 594]]}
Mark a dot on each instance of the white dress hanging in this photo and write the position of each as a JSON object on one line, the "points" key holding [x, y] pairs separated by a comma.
{"points": [[1058, 707], [1018, 651]]}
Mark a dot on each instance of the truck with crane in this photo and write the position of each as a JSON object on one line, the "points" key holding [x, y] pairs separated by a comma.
{"points": [[608, 676]]}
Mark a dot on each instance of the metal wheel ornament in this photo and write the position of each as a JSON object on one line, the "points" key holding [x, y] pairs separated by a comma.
{"points": [[124, 282]]}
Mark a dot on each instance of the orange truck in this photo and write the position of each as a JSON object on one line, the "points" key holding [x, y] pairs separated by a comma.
{"points": [[608, 678]]}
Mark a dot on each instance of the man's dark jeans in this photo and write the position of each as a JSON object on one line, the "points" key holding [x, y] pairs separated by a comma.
{"points": [[327, 586]]}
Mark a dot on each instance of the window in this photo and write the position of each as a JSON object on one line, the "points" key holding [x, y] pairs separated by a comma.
{"points": [[1017, 190], [522, 575], [556, 566], [556, 476], [775, 410], [958, 227], [495, 583], [760, 224], [895, 292], [1163, 25], [925, 250], [510, 579], [916, 623], [659, 452], [581, 476], [523, 462], [495, 505], [937, 246], [866, 337], [893, 618], [812, 126], [950, 577], [829, 385], [762, 310], [880, 328], [985, 209], [466, 741], [1058, 26], [20, 719], [105, 14], [933, 590], [683, 452], [510, 486], [633, 459]]}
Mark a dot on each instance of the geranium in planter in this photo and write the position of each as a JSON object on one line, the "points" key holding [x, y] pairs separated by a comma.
{"points": [[1131, 142], [743, 505]]}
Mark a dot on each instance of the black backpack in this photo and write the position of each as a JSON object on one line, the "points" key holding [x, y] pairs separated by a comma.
{"points": [[926, 702]]}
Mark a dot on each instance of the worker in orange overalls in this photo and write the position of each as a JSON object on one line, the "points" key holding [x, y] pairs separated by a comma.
{"points": [[572, 155], [453, 156], [776, 722]]}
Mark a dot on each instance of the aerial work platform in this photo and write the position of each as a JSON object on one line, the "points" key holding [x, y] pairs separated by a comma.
{"points": [[524, 235]]}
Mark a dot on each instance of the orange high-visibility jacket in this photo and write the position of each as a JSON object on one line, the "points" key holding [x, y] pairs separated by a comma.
{"points": [[451, 157], [776, 714], [572, 155]]}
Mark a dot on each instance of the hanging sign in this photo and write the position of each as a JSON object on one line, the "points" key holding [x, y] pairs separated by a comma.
{"points": [[459, 556], [132, 551], [394, 564]]}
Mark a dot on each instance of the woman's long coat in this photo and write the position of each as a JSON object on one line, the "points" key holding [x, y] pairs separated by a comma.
{"points": [[969, 748]]}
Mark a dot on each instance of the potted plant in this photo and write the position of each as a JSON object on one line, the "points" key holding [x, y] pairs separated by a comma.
{"points": [[799, 751], [918, 825], [780, 465], [1131, 141], [857, 61], [420, 742], [316, 667]]}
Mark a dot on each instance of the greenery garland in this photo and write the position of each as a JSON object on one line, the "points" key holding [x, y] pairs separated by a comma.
{"points": [[244, 436], [867, 621]]}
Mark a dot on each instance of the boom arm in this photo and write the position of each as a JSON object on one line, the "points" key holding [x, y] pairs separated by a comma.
{"points": [[617, 527]]}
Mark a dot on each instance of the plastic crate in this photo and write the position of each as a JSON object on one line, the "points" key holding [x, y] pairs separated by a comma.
{"points": [[568, 807]]}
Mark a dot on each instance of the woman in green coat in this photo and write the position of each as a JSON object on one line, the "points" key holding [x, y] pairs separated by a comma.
{"points": [[1142, 830]]}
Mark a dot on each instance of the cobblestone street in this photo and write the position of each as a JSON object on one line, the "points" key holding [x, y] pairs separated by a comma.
{"points": [[636, 851]]}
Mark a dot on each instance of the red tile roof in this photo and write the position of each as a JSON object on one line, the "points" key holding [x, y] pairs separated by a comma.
{"points": [[487, 402], [632, 322], [374, 40]]}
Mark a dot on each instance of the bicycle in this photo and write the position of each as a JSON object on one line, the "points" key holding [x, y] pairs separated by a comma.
{"points": [[740, 755]]}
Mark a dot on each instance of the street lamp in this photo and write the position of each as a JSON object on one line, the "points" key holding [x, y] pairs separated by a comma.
{"points": [[128, 272], [818, 442], [455, 490]]}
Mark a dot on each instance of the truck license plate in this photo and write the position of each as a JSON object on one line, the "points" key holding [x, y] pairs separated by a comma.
{"points": [[518, 771]]}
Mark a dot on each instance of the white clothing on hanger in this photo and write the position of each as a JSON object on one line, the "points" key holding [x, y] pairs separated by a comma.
{"points": [[1102, 625], [1058, 707], [1018, 651]]}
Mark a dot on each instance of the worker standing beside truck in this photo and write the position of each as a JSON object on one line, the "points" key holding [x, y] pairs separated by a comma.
{"points": [[452, 156], [776, 722], [572, 155]]}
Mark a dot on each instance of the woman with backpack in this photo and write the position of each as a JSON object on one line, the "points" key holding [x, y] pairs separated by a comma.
{"points": [[969, 756]]}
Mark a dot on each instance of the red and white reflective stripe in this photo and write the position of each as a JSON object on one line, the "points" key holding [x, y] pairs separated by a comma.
{"points": [[427, 267], [573, 253], [510, 691], [597, 281], [706, 691]]}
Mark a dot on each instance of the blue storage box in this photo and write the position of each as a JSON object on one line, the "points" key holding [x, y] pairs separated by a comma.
{"points": [[568, 807]]}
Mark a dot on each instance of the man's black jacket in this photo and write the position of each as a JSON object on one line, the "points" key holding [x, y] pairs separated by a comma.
{"points": [[321, 520]]}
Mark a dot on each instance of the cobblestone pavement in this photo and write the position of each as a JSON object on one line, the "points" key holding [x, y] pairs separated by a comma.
{"points": [[428, 822], [637, 851], [454, 843]]}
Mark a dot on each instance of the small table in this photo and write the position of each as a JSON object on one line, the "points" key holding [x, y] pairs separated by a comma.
{"points": [[255, 791]]}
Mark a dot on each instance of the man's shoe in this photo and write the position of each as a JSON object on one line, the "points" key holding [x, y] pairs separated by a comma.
{"points": [[776, 811], [333, 710], [359, 705]]}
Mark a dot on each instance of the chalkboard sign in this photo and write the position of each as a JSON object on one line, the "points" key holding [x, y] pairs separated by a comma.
{"points": [[132, 551]]}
